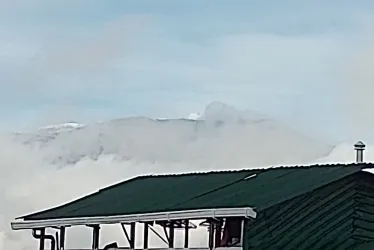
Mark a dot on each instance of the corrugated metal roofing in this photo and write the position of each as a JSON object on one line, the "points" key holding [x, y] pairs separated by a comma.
{"points": [[270, 187], [203, 190], [144, 194], [366, 246], [338, 216]]}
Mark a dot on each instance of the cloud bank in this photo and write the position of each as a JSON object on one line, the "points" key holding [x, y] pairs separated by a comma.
{"points": [[33, 179], [302, 63], [105, 64]]}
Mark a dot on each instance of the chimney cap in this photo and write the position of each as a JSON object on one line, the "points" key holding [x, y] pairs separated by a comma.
{"points": [[359, 146]]}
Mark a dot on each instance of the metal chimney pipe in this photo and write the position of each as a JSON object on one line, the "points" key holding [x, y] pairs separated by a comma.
{"points": [[359, 147]]}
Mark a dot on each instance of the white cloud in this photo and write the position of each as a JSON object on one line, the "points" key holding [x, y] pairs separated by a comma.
{"points": [[134, 56], [355, 87], [59, 62], [120, 63], [29, 182], [112, 40]]}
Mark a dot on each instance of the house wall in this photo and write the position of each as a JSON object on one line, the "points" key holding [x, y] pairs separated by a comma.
{"points": [[337, 216]]}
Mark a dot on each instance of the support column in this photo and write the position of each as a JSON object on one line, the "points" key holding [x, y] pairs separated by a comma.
{"points": [[62, 238], [132, 235], [171, 235], [218, 234], [145, 245], [211, 235], [242, 230], [42, 239], [95, 237], [186, 233]]}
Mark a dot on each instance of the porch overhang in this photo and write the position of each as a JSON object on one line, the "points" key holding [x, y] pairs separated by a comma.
{"points": [[246, 212]]}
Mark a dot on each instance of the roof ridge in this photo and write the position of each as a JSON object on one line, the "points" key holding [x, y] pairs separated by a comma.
{"points": [[228, 171], [225, 171]]}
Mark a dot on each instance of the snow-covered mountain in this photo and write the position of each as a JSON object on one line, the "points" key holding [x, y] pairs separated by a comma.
{"points": [[220, 133], [62, 127]]}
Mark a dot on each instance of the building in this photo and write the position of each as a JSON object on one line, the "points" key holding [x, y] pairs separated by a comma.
{"points": [[301, 207]]}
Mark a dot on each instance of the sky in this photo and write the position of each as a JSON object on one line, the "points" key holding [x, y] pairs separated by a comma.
{"points": [[307, 62]]}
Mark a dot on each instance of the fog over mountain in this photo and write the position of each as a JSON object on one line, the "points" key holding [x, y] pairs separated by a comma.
{"points": [[57, 163], [221, 133]]}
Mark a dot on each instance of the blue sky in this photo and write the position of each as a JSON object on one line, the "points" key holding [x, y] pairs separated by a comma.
{"points": [[92, 60]]}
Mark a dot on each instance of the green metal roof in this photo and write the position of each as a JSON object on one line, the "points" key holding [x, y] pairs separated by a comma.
{"points": [[259, 188], [366, 246], [271, 187], [337, 216]]}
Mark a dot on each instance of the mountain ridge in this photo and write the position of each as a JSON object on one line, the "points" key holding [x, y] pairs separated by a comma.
{"points": [[219, 132]]}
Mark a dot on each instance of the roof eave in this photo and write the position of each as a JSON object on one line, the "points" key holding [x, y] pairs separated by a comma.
{"points": [[247, 212]]}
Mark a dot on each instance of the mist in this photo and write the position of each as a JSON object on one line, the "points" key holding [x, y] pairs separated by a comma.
{"points": [[355, 86], [53, 165], [303, 65]]}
